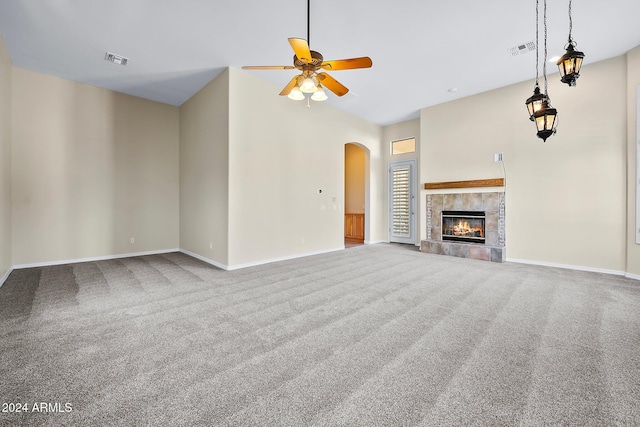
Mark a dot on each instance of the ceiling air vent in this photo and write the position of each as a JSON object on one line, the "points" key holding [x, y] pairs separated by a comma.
{"points": [[115, 58], [521, 49]]}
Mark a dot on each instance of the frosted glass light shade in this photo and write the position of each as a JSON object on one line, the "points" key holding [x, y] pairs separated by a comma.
{"points": [[308, 85], [319, 94], [296, 94]]}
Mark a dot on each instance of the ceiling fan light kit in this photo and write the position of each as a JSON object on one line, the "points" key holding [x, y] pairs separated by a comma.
{"points": [[309, 62]]}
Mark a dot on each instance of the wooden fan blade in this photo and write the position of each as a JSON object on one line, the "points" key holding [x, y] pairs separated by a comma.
{"points": [[268, 67], [287, 89], [347, 64], [301, 48], [332, 84]]}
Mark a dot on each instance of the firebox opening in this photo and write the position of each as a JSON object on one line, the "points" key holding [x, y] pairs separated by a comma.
{"points": [[463, 226]]}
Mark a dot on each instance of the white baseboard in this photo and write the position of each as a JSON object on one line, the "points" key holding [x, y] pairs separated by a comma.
{"points": [[373, 242], [570, 267], [284, 258], [164, 251], [203, 259], [6, 276], [253, 264], [90, 259], [632, 276]]}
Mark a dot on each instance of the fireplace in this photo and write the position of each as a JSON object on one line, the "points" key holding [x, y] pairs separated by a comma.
{"points": [[463, 226], [489, 209]]}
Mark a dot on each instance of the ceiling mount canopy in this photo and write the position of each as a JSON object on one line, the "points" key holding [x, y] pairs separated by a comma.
{"points": [[310, 81]]}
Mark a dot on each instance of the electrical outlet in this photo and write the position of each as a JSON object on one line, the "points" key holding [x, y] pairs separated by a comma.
{"points": [[497, 157], [132, 240]]}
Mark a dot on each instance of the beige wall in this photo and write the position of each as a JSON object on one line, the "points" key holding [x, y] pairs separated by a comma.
{"points": [[280, 155], [395, 132], [101, 167], [354, 179], [566, 198], [633, 139], [398, 131], [204, 182], [91, 169], [5, 162]]}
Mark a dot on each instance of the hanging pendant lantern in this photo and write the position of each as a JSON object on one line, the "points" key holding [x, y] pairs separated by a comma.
{"points": [[534, 102], [539, 104], [569, 64], [546, 120]]}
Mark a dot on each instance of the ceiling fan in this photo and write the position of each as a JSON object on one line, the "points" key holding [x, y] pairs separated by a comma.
{"points": [[310, 63]]}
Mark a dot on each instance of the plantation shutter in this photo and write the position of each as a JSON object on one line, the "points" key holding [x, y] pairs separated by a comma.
{"points": [[401, 196]]}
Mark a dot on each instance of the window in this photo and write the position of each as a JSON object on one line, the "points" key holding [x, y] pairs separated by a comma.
{"points": [[403, 146]]}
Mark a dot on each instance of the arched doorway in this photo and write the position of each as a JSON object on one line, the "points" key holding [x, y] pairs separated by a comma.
{"points": [[356, 200]]}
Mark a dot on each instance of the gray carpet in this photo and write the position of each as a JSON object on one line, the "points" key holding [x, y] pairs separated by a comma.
{"points": [[377, 335]]}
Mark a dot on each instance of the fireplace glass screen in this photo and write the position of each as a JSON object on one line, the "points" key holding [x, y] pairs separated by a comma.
{"points": [[463, 226]]}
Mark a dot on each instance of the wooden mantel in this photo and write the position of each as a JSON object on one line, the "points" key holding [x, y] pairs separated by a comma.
{"points": [[492, 182]]}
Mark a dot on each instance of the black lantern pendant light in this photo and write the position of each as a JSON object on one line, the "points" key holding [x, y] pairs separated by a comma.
{"points": [[546, 120], [539, 104], [569, 64], [535, 101]]}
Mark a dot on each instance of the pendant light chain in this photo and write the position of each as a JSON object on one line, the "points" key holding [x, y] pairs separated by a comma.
{"points": [[570, 22], [544, 64], [537, 43]]}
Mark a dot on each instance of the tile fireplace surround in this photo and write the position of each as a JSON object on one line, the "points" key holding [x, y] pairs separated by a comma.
{"points": [[493, 206]]}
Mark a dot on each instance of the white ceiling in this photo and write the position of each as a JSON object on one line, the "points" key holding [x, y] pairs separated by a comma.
{"points": [[420, 48]]}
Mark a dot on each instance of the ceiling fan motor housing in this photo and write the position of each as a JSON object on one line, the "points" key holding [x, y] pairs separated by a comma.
{"points": [[316, 60]]}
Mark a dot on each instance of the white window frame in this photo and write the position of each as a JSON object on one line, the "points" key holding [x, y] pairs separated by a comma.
{"points": [[402, 140]]}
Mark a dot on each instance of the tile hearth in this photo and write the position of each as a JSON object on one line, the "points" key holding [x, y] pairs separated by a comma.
{"points": [[491, 203]]}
